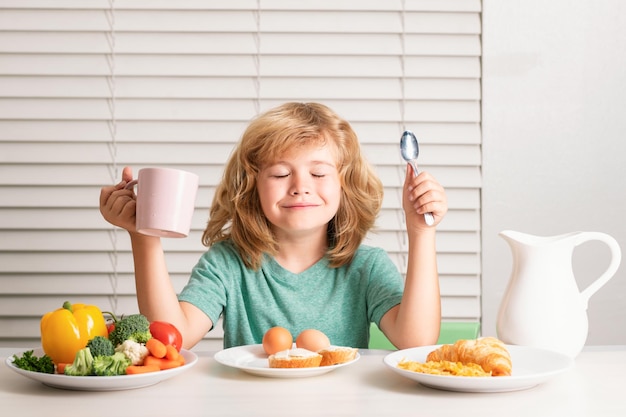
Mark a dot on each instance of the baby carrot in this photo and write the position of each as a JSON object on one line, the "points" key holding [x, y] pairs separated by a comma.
{"points": [[61, 367], [162, 363], [156, 348], [171, 353], [174, 355], [170, 364], [152, 361], [141, 369]]}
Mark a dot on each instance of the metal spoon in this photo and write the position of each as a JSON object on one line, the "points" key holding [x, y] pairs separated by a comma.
{"points": [[410, 150]]}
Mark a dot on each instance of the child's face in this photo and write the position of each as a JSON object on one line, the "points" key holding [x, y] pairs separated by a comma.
{"points": [[301, 191]]}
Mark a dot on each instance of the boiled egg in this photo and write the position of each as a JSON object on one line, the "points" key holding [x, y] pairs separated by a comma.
{"points": [[313, 340], [276, 339]]}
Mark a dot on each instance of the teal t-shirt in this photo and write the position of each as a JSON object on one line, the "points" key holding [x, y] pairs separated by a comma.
{"points": [[341, 302]]}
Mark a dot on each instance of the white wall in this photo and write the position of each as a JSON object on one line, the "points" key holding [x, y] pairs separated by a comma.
{"points": [[554, 141]]}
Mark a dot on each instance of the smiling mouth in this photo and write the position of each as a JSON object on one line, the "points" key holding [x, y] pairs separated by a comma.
{"points": [[300, 206]]}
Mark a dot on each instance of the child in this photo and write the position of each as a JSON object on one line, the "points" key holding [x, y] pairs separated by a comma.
{"points": [[285, 242]]}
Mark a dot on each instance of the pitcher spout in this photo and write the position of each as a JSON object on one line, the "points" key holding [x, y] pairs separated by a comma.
{"points": [[514, 237], [512, 234]]}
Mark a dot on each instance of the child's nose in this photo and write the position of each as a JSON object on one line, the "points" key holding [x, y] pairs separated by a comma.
{"points": [[300, 185]]}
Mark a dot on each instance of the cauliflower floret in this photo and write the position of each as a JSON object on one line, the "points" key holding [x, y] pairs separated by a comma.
{"points": [[134, 351]]}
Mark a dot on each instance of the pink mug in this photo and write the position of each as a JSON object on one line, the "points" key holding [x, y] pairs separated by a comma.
{"points": [[165, 201]]}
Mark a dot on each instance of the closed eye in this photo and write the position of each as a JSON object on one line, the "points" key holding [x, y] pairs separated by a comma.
{"points": [[286, 175]]}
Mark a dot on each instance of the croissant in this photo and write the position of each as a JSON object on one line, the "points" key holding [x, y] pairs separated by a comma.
{"points": [[488, 352]]}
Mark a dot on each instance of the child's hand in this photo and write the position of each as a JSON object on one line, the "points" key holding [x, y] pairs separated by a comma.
{"points": [[117, 204], [422, 194]]}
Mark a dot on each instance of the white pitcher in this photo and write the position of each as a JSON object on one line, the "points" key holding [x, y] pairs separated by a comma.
{"points": [[542, 305]]}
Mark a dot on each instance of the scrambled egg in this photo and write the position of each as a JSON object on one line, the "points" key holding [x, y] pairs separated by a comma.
{"points": [[444, 368]]}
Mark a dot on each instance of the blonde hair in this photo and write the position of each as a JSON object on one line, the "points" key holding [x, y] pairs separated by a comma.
{"points": [[236, 212]]}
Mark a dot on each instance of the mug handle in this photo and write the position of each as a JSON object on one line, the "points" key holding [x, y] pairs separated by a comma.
{"points": [[131, 184], [616, 258]]}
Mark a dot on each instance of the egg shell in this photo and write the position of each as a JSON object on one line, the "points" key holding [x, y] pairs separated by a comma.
{"points": [[313, 340], [276, 339]]}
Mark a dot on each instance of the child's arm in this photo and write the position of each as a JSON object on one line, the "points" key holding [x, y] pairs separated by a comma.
{"points": [[156, 296], [416, 321]]}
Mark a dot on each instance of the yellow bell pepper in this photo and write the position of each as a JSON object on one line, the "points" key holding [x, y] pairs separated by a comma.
{"points": [[67, 330]]}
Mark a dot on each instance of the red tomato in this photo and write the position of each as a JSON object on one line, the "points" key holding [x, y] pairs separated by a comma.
{"points": [[166, 333]]}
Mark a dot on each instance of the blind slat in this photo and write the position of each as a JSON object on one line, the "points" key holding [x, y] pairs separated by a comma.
{"points": [[219, 131], [432, 67], [198, 153], [372, 5], [233, 88]]}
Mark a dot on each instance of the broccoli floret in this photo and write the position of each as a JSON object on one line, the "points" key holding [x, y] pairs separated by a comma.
{"points": [[135, 327], [82, 365], [30, 362], [115, 364], [101, 346]]}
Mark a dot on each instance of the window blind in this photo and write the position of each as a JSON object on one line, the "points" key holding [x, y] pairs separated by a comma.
{"points": [[88, 87]]}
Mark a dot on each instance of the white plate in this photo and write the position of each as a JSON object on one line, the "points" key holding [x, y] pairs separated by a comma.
{"points": [[531, 367], [253, 360], [102, 383]]}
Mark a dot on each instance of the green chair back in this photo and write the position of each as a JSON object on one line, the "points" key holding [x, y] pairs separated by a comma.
{"points": [[450, 332]]}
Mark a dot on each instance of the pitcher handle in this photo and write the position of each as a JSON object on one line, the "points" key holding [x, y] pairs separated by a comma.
{"points": [[616, 258]]}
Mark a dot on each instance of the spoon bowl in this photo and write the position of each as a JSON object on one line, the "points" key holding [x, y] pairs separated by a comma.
{"points": [[410, 150]]}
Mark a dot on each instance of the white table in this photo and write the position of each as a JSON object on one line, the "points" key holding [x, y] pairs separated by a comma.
{"points": [[596, 386]]}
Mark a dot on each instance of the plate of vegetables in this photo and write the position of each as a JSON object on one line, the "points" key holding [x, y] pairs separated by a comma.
{"points": [[96, 383], [130, 353]]}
